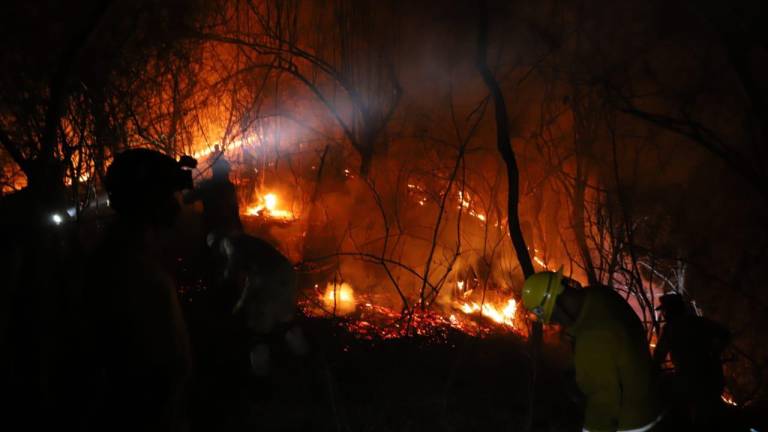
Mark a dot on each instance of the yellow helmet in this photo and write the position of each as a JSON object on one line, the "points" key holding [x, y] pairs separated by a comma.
{"points": [[540, 293]]}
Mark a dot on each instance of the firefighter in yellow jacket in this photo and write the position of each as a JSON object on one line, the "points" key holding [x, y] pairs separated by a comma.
{"points": [[613, 366]]}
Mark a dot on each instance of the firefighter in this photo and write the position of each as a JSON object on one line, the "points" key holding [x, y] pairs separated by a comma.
{"points": [[266, 282], [219, 340], [612, 363], [221, 215], [138, 341], [694, 345], [221, 218]]}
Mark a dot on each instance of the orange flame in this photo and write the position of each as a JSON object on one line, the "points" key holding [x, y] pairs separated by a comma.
{"points": [[467, 205], [373, 321], [339, 298], [502, 314], [268, 206]]}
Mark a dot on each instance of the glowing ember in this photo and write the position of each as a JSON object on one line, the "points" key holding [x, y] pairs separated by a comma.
{"points": [[374, 322], [364, 318], [268, 206], [339, 298]]}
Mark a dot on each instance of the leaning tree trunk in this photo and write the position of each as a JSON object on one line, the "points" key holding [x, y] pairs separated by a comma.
{"points": [[504, 146], [505, 149]]}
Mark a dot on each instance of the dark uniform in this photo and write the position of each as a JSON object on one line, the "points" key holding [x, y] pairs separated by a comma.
{"points": [[221, 212], [137, 338], [694, 345], [140, 334]]}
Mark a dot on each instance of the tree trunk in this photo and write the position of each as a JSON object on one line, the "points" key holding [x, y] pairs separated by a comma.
{"points": [[366, 159], [504, 146]]}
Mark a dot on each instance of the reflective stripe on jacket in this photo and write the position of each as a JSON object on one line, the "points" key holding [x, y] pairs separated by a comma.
{"points": [[647, 428]]}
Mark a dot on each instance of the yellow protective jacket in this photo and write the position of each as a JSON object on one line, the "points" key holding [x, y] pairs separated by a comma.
{"points": [[613, 365]]}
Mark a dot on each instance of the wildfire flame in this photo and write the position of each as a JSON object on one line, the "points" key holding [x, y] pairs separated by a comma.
{"points": [[369, 321], [539, 260], [339, 298], [268, 206], [467, 205], [502, 314], [82, 178]]}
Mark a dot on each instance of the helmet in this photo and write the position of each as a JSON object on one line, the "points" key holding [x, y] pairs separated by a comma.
{"points": [[221, 167], [540, 293], [672, 304], [141, 181]]}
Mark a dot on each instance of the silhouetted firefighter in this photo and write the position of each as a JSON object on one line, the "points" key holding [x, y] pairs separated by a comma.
{"points": [[251, 302], [221, 215], [266, 287], [137, 336], [694, 344], [34, 253], [613, 366], [218, 339]]}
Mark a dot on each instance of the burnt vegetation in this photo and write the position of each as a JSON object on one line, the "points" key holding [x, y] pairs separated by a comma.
{"points": [[416, 160]]}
